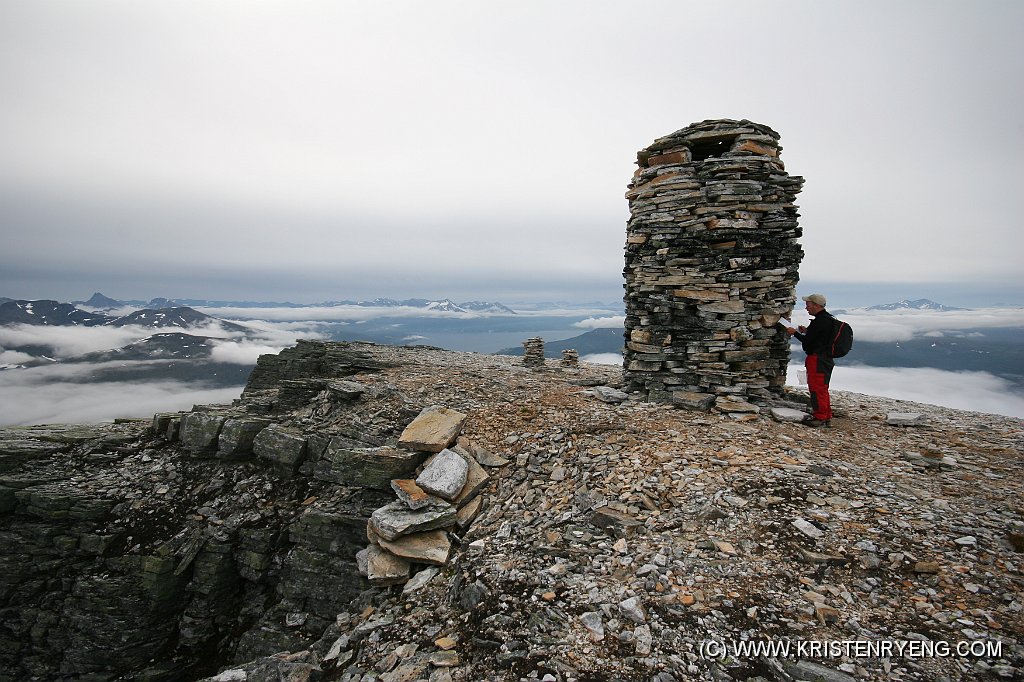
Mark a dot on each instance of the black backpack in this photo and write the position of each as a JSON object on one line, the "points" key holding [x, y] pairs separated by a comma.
{"points": [[842, 339]]}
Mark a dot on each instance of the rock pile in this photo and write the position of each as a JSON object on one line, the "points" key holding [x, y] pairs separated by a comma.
{"points": [[533, 352], [442, 499], [570, 358], [711, 264]]}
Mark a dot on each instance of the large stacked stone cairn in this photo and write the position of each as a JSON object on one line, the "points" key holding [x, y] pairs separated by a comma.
{"points": [[570, 358], [442, 499], [533, 352], [711, 265]]}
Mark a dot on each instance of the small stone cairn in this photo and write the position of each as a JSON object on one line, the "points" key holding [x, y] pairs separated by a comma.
{"points": [[533, 352], [414, 529], [570, 358], [711, 265]]}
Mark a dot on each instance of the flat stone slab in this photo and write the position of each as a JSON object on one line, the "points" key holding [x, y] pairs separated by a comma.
{"points": [[381, 567], [808, 528], [476, 480], [345, 389], [396, 519], [609, 395], [433, 430], [614, 520], [693, 400], [788, 414], [488, 458], [729, 404], [905, 419], [444, 474], [414, 496], [420, 580], [468, 513], [429, 547]]}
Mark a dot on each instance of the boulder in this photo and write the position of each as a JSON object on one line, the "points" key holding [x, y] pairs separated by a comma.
{"points": [[199, 430], [366, 467], [237, 437], [444, 474], [284, 448]]}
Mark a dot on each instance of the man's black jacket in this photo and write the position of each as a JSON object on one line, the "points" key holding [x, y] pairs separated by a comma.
{"points": [[817, 340]]}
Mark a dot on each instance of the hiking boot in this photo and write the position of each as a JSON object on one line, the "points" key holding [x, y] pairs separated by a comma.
{"points": [[815, 423]]}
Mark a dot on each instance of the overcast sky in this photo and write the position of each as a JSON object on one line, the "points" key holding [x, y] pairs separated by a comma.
{"points": [[311, 151]]}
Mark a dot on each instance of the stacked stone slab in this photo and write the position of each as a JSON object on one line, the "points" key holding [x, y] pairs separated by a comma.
{"points": [[533, 352], [570, 358], [712, 263], [443, 497]]}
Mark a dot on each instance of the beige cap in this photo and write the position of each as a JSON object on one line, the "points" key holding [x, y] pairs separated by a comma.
{"points": [[815, 298]]}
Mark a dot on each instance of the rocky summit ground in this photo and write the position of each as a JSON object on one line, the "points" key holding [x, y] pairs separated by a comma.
{"points": [[617, 539], [635, 541]]}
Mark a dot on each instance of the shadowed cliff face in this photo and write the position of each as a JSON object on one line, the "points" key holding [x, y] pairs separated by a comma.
{"points": [[612, 537]]}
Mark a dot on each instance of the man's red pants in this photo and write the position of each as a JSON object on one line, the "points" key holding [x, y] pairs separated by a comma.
{"points": [[819, 371]]}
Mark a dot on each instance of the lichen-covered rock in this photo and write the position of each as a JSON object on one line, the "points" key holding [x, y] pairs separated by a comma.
{"points": [[200, 430], [349, 464], [283, 447], [237, 437]]}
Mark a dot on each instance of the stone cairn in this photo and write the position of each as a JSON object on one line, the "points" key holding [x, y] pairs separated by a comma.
{"points": [[712, 264], [533, 352], [570, 358], [414, 529]]}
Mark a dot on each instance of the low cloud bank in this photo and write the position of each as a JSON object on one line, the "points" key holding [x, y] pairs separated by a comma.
{"points": [[13, 357], [65, 403], [241, 352], [66, 342], [972, 391], [888, 326], [603, 358], [614, 322]]}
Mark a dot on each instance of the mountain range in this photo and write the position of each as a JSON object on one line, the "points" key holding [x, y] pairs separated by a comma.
{"points": [[184, 338], [99, 301], [54, 313]]}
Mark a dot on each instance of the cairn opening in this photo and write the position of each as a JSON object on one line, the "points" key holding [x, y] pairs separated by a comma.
{"points": [[711, 265]]}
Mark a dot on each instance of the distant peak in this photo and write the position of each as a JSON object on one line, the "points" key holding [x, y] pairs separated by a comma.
{"points": [[915, 304]]}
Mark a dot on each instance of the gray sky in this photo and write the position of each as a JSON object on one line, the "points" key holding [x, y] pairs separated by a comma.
{"points": [[326, 150]]}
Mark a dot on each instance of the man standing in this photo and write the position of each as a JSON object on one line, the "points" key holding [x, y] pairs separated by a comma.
{"points": [[816, 340]]}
